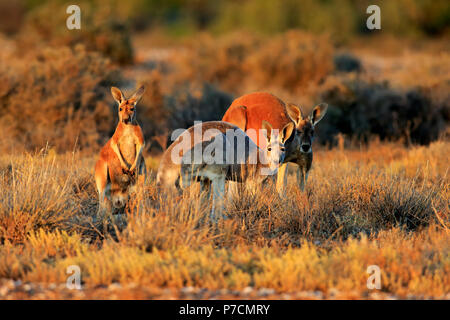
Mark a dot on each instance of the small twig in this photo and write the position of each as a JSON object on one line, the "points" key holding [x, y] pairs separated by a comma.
{"points": [[440, 220]]}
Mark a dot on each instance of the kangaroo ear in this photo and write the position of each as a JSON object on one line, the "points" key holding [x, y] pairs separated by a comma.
{"points": [[137, 95], [318, 113], [287, 131], [117, 94], [295, 113], [268, 127]]}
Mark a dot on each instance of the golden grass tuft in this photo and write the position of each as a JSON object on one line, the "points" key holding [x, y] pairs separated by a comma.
{"points": [[386, 206]]}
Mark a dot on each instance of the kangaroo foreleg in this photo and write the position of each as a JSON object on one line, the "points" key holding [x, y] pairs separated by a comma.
{"points": [[302, 176], [282, 176], [218, 198], [137, 160], [116, 150]]}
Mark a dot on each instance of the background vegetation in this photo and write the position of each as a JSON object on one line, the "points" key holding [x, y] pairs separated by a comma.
{"points": [[378, 192]]}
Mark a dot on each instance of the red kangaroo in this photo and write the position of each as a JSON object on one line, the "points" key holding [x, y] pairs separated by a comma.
{"points": [[121, 160], [248, 111]]}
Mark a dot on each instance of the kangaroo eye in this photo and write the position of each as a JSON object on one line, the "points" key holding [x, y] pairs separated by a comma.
{"points": [[269, 149], [282, 148], [120, 109]]}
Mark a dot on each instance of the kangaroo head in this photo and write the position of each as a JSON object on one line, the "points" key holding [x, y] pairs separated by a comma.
{"points": [[119, 197], [304, 127], [275, 150], [127, 107]]}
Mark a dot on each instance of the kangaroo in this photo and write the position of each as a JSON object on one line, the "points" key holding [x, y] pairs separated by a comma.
{"points": [[247, 111], [121, 162], [236, 158]]}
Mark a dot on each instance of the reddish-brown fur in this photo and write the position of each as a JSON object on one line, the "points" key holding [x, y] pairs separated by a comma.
{"points": [[121, 162], [250, 110]]}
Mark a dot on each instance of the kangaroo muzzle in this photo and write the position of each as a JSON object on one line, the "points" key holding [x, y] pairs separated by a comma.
{"points": [[119, 201]]}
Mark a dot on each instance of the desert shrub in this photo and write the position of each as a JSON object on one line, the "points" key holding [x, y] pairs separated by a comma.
{"points": [[152, 112], [165, 108], [186, 106], [168, 220], [35, 194], [101, 29], [219, 61], [57, 97], [292, 61], [361, 110], [241, 62], [367, 203], [346, 62], [401, 205], [47, 192], [11, 16]]}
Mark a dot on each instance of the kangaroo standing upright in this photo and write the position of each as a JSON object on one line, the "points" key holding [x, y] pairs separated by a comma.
{"points": [[121, 162], [248, 111]]}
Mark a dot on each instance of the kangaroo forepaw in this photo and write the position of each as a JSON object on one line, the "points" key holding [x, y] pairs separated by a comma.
{"points": [[129, 172]]}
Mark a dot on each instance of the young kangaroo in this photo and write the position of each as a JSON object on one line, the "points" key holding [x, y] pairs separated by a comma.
{"points": [[247, 111], [300, 149], [225, 153], [121, 162]]}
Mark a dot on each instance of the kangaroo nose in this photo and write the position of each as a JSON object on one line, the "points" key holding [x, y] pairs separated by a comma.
{"points": [[118, 203], [305, 147]]}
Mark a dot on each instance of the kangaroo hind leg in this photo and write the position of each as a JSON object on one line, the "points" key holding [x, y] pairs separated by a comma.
{"points": [[101, 181]]}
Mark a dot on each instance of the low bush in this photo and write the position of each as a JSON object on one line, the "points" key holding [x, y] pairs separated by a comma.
{"points": [[346, 62], [101, 30], [240, 61], [362, 110], [60, 97], [292, 61]]}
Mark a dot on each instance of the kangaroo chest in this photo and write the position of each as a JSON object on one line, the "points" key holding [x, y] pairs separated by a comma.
{"points": [[304, 160], [127, 146]]}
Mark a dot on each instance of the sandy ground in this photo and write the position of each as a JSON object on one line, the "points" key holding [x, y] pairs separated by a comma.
{"points": [[10, 289]]}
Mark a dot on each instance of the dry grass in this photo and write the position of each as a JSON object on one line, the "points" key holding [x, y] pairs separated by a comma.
{"points": [[385, 206]]}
